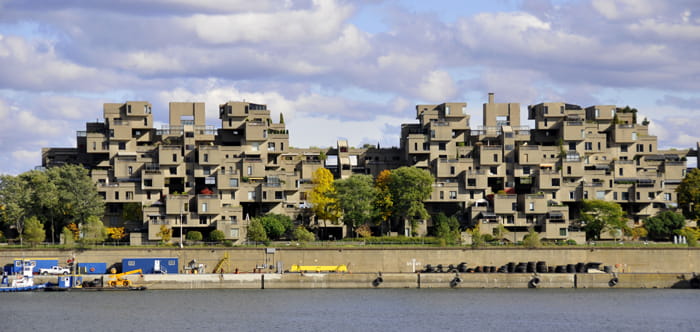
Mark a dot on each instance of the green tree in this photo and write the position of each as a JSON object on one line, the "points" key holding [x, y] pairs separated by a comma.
{"points": [[276, 225], [532, 239], [599, 216], [356, 196], [15, 197], [445, 228], [664, 225], [78, 198], [383, 202], [302, 234], [409, 187], [44, 199], [194, 236], [132, 212], [68, 239], [256, 231], [324, 203], [93, 230], [217, 235], [477, 237], [34, 231], [689, 194], [500, 232]]}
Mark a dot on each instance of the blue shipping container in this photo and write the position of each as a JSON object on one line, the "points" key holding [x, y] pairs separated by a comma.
{"points": [[151, 265], [92, 268], [39, 263]]}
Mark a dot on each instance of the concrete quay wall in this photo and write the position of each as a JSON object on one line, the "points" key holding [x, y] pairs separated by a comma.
{"points": [[387, 260], [412, 280]]}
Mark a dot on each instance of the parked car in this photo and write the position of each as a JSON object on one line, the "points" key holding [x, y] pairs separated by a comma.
{"points": [[54, 270]]}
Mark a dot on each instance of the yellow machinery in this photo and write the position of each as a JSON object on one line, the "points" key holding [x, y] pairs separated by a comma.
{"points": [[119, 281], [318, 268], [224, 261]]}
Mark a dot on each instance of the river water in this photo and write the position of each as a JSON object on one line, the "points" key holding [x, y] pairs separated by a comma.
{"points": [[354, 310]]}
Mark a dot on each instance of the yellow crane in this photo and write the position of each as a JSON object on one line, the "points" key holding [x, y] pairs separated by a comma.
{"points": [[221, 263], [119, 281]]}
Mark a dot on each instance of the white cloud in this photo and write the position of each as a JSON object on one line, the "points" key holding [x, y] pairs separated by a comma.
{"points": [[437, 86], [669, 31], [616, 9]]}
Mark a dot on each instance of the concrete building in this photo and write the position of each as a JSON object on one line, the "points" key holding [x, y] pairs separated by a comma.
{"points": [[191, 176]]}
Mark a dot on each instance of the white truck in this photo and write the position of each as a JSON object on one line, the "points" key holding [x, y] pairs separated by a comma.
{"points": [[54, 270]]}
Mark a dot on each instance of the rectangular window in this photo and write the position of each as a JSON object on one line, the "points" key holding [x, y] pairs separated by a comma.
{"points": [[206, 157], [526, 170], [625, 196], [233, 182], [206, 170], [588, 146], [623, 148], [640, 147], [495, 157], [556, 182], [514, 206], [452, 170], [572, 195], [251, 195], [600, 194], [453, 195], [442, 195], [116, 195], [174, 157], [667, 196], [122, 146], [204, 207], [562, 231], [531, 206], [129, 195], [249, 170], [442, 146], [271, 146], [234, 233], [173, 170], [651, 195], [615, 195], [278, 195]]}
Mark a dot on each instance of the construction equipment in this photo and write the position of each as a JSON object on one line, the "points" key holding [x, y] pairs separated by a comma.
{"points": [[117, 280], [222, 262]]}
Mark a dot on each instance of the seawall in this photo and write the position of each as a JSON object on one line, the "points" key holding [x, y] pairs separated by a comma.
{"points": [[387, 260]]}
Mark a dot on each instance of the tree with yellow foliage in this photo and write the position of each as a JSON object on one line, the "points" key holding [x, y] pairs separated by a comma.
{"points": [[116, 233], [383, 202], [324, 203]]}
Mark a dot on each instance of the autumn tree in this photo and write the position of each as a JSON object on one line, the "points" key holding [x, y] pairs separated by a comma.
{"points": [[409, 187], [323, 199], [116, 233], [383, 203], [599, 216], [356, 196], [165, 233], [689, 194]]}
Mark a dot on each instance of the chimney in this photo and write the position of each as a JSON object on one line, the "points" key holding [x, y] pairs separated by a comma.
{"points": [[490, 97]]}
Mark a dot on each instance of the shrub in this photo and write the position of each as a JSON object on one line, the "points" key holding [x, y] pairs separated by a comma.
{"points": [[487, 238], [194, 236], [217, 235], [571, 242]]}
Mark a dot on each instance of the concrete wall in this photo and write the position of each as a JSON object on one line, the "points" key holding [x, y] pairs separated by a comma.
{"points": [[362, 260]]}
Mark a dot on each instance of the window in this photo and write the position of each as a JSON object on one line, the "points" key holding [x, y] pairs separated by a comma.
{"points": [[625, 196], [634, 136], [278, 195], [116, 195], [546, 110], [600, 194], [271, 146], [623, 148], [568, 170], [585, 194], [128, 108], [173, 170], [174, 157], [640, 147], [206, 157], [514, 206], [572, 195], [442, 195], [453, 195], [556, 182], [204, 207], [234, 220], [129, 195], [615, 195], [249, 170], [233, 182], [206, 170], [122, 146], [251, 195], [667, 196], [442, 146], [130, 170], [234, 233], [651, 195], [493, 170], [526, 170], [531, 206], [495, 157], [148, 195], [452, 170], [621, 171], [572, 146], [588, 146], [432, 133], [204, 220], [562, 231]]}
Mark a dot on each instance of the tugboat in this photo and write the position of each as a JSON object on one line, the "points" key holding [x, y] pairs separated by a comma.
{"points": [[21, 283]]}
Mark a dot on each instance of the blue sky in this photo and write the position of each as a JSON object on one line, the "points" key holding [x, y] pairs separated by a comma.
{"points": [[337, 68]]}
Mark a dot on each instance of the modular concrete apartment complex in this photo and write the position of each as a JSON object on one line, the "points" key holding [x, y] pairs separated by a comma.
{"points": [[192, 176]]}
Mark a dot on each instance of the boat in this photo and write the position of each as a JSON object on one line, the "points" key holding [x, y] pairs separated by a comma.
{"points": [[21, 284]]}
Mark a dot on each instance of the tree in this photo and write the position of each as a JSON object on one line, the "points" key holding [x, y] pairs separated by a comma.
{"points": [[363, 231], [500, 232], [599, 215], [116, 233], [34, 231], [256, 231], [532, 239], [78, 198], [165, 233], [664, 225], [132, 212], [194, 236], [276, 225], [217, 235], [68, 237], [689, 194], [477, 238], [323, 199], [356, 196], [445, 228], [383, 203], [93, 231], [301, 234], [691, 235], [15, 196], [409, 187], [44, 198]]}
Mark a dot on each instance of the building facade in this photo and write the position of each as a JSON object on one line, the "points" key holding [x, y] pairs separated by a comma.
{"points": [[503, 175]]}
